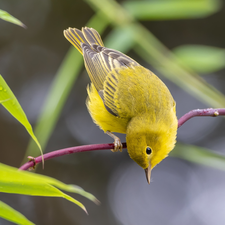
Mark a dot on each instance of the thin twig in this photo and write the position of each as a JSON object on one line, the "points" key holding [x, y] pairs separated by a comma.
{"points": [[200, 112], [66, 151], [85, 148]]}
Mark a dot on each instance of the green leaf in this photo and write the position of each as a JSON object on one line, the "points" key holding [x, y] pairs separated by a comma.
{"points": [[72, 188], [12, 215], [67, 187], [171, 9], [199, 155], [200, 58], [9, 101], [15, 181], [7, 17], [1, 101]]}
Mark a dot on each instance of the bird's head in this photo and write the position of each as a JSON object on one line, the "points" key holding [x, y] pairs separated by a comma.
{"points": [[149, 144]]}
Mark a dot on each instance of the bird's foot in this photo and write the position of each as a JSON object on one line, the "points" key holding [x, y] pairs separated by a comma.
{"points": [[117, 143]]}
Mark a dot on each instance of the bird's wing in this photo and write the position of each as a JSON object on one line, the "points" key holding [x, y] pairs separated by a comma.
{"points": [[103, 66]]}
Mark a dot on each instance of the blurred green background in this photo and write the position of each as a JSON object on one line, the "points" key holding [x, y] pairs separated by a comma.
{"points": [[182, 41]]}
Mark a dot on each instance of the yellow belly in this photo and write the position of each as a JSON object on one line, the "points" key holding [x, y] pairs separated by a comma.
{"points": [[104, 119]]}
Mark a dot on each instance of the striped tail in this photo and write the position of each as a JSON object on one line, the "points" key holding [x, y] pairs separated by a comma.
{"points": [[87, 35]]}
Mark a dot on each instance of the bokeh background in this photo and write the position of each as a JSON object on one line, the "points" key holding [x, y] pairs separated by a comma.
{"points": [[181, 191]]}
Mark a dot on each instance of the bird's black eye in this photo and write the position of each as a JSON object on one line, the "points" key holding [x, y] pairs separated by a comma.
{"points": [[148, 150]]}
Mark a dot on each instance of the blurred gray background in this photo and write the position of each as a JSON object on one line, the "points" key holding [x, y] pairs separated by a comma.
{"points": [[180, 192]]}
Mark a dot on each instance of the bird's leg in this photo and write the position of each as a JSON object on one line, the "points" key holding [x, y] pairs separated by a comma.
{"points": [[117, 143]]}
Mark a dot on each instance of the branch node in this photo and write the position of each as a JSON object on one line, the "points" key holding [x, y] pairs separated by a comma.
{"points": [[216, 113], [32, 159]]}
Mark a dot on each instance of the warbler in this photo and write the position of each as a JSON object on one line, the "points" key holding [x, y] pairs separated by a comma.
{"points": [[125, 97]]}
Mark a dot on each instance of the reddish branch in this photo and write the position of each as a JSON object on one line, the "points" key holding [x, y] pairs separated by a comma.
{"points": [[200, 112], [85, 148]]}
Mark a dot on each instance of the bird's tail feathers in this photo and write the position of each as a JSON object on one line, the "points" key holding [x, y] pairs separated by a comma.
{"points": [[88, 36], [92, 36]]}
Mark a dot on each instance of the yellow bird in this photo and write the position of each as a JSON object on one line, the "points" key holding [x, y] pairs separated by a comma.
{"points": [[125, 97]]}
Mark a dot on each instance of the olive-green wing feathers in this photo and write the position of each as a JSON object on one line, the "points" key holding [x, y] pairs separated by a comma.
{"points": [[102, 64]]}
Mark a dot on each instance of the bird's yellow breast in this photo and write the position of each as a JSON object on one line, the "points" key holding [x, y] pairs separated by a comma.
{"points": [[105, 120]]}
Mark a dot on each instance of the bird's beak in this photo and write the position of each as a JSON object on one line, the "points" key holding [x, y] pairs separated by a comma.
{"points": [[148, 173]]}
